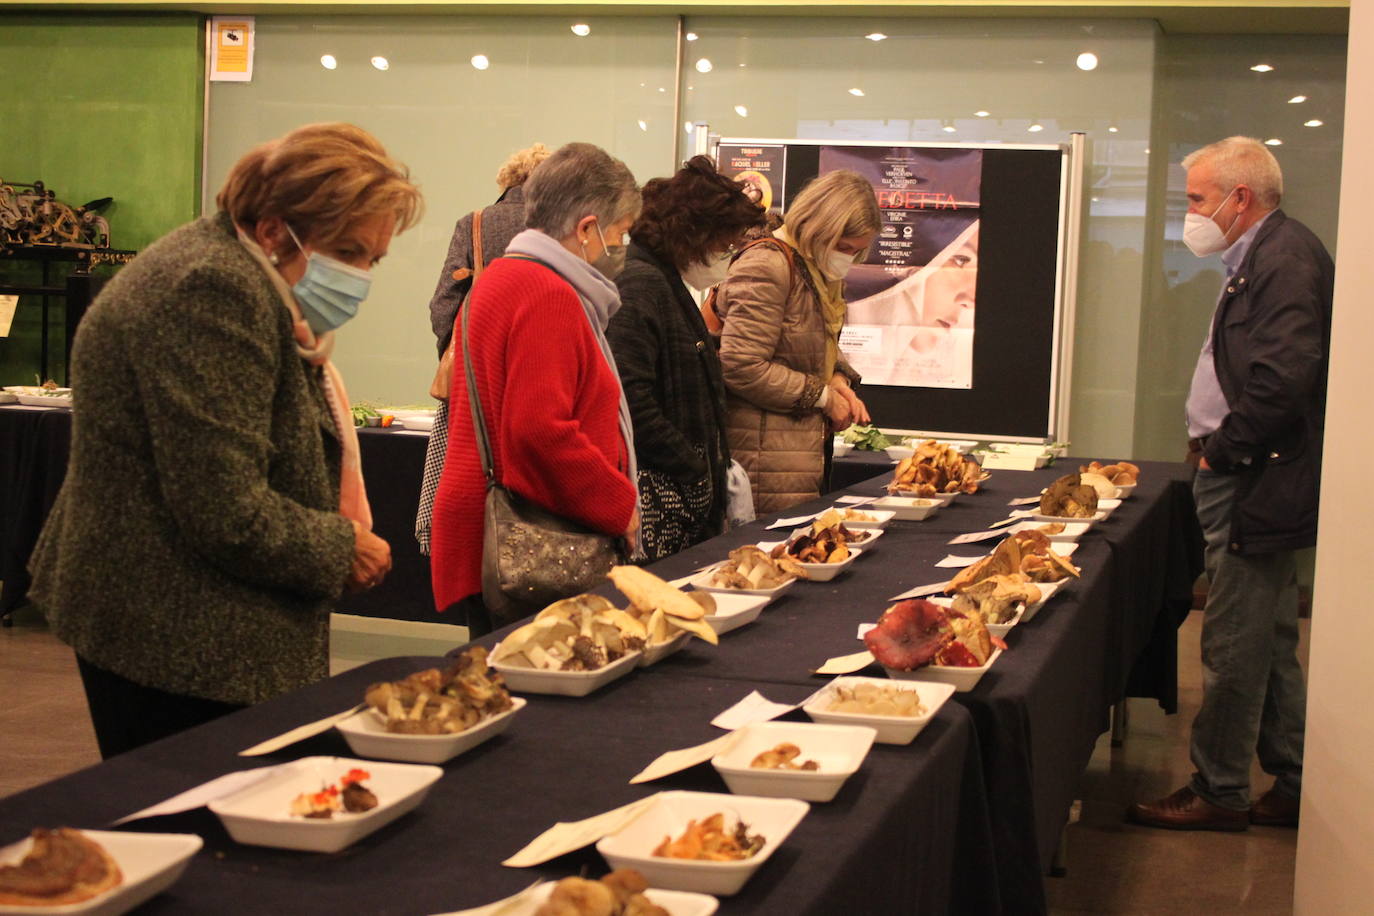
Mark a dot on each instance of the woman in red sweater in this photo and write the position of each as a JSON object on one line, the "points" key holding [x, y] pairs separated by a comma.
{"points": [[556, 416]]}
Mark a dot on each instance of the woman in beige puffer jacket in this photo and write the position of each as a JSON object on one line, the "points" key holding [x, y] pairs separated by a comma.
{"points": [[782, 307]]}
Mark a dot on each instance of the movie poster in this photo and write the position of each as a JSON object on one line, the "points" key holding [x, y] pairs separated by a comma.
{"points": [[911, 304], [760, 168]]}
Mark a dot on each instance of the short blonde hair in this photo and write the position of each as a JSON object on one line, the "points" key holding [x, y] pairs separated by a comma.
{"points": [[320, 179], [836, 205], [1242, 160], [516, 170]]}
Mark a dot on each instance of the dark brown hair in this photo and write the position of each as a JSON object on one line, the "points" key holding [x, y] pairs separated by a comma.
{"points": [[695, 212], [320, 179]]}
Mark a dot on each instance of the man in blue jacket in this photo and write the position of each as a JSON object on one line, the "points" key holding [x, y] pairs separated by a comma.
{"points": [[1255, 412]]}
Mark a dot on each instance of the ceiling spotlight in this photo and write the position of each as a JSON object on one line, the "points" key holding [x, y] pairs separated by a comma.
{"points": [[1036, 128], [949, 128], [981, 114], [1087, 61], [1113, 129], [741, 111], [1262, 68], [381, 63], [691, 36], [1312, 123], [1297, 100], [1097, 200], [328, 62], [1273, 141], [857, 92], [480, 62], [643, 125], [703, 66], [688, 126], [581, 30], [662, 89], [875, 36]]}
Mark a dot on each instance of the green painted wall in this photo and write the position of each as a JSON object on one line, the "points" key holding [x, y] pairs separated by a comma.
{"points": [[99, 106]]}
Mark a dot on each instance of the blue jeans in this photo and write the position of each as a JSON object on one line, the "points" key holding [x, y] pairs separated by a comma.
{"points": [[1253, 696]]}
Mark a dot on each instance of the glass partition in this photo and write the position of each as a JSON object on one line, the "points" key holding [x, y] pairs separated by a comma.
{"points": [[984, 81], [451, 97]]}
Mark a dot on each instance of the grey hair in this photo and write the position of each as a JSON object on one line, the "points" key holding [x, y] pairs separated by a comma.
{"points": [[1243, 160], [579, 180]]}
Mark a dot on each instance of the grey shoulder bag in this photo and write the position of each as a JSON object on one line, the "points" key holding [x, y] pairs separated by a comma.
{"points": [[530, 556]]}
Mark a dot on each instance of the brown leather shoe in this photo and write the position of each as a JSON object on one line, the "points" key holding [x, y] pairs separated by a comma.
{"points": [[1184, 810], [1275, 809]]}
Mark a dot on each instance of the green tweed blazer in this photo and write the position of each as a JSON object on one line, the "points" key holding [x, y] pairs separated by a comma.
{"points": [[196, 546]]}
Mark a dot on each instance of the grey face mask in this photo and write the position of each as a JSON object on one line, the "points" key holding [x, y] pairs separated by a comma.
{"points": [[612, 258]]}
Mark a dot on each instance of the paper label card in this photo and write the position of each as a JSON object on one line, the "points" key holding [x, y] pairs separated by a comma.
{"points": [[498, 907], [1002, 461], [792, 522], [1012, 520], [921, 591], [671, 762], [864, 628], [566, 836], [204, 793], [975, 536], [753, 708], [856, 500], [956, 562], [231, 48], [846, 664], [7, 306], [1025, 501]]}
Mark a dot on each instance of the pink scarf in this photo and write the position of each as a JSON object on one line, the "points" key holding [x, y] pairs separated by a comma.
{"points": [[315, 350]]}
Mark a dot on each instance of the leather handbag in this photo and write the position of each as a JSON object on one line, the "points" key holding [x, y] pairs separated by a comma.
{"points": [[443, 376], [530, 557]]}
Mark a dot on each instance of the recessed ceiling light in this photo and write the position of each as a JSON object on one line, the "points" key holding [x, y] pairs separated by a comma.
{"points": [[1097, 200], [950, 128], [856, 91], [381, 63], [1312, 123], [328, 62], [480, 62], [1273, 141], [691, 36], [741, 111], [1087, 61], [1297, 100], [1262, 68], [704, 66], [662, 89], [581, 30], [1035, 128], [980, 114], [875, 36], [643, 125], [1112, 129], [687, 125]]}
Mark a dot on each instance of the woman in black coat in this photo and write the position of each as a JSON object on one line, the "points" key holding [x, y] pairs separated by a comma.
{"points": [[685, 235]]}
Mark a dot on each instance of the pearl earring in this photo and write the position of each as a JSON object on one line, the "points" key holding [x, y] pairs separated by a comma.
{"points": [[273, 257]]}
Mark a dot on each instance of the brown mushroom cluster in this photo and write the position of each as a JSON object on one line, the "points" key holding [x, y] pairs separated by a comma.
{"points": [[933, 469]]}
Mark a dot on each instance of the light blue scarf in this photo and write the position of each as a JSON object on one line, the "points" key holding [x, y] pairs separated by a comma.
{"points": [[600, 300]]}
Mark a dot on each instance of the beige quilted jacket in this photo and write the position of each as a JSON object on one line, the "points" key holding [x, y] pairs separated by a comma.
{"points": [[772, 352]]}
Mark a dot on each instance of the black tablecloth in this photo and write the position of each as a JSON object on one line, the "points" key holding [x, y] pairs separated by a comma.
{"points": [[908, 833], [35, 441]]}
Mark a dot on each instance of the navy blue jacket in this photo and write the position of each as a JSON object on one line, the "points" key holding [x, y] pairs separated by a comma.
{"points": [[1271, 340]]}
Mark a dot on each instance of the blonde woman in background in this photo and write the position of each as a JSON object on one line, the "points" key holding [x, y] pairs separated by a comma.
{"points": [[782, 307], [501, 222]]}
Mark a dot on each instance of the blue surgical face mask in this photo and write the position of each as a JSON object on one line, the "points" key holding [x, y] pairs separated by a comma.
{"points": [[330, 291]]}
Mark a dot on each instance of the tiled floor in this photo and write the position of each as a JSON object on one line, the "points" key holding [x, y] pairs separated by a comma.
{"points": [[1112, 867]]}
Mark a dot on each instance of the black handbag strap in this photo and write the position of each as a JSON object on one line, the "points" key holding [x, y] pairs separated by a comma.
{"points": [[479, 422]]}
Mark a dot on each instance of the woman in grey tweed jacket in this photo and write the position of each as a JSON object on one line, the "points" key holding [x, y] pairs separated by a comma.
{"points": [[197, 543]]}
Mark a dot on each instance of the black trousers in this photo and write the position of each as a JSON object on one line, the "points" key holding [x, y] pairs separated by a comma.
{"points": [[472, 612], [128, 715]]}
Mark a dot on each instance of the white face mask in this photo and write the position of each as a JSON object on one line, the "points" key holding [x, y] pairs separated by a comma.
{"points": [[1201, 233], [837, 264], [704, 275]]}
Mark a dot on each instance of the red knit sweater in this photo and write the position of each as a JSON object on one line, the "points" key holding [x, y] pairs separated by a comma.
{"points": [[551, 405]]}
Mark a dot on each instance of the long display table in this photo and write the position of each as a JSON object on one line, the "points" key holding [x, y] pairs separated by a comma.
{"points": [[963, 820]]}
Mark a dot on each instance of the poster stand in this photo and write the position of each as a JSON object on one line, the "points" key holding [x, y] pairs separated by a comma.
{"points": [[1030, 209]]}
